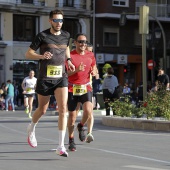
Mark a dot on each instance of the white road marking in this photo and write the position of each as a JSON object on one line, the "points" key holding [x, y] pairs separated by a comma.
{"points": [[135, 133], [128, 155], [142, 167], [101, 150]]}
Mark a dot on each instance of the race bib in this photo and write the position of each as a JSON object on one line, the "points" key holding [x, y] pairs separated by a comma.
{"points": [[28, 90], [79, 90], [54, 71]]}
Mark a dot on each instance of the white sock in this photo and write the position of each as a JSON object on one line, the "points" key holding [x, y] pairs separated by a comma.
{"points": [[33, 125], [61, 137]]}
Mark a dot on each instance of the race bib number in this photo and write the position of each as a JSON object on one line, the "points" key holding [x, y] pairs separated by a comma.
{"points": [[54, 71], [79, 90], [28, 89]]}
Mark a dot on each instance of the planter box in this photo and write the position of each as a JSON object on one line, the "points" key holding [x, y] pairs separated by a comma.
{"points": [[135, 123]]}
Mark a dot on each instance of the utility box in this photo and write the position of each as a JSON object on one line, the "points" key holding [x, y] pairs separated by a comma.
{"points": [[143, 19]]}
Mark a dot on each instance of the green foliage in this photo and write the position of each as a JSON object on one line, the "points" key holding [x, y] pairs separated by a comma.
{"points": [[123, 107], [156, 104]]}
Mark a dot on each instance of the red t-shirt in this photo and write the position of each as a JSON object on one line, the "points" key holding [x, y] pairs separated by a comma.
{"points": [[81, 77]]}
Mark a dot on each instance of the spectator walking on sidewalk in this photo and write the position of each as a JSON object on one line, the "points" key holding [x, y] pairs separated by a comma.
{"points": [[109, 86], [9, 99]]}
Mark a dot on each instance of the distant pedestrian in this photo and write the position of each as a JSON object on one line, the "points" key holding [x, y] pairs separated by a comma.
{"points": [[126, 89], [16, 93], [9, 95], [139, 92], [97, 87], [2, 100], [163, 79], [109, 85], [155, 87], [3, 85]]}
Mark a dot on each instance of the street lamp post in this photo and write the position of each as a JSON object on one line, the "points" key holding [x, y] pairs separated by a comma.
{"points": [[152, 38], [164, 42]]}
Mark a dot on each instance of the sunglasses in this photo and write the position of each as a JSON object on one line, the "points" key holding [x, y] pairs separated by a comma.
{"points": [[57, 20], [82, 41]]}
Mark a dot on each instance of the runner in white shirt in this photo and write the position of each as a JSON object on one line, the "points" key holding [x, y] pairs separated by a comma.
{"points": [[28, 86]]}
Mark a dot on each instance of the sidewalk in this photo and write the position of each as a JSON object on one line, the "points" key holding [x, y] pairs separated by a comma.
{"points": [[118, 122], [55, 113], [95, 112]]}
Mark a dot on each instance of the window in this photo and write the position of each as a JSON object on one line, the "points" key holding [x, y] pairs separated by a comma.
{"points": [[121, 3], [24, 27], [21, 69], [27, 1], [72, 26], [137, 38], [110, 37], [69, 3]]}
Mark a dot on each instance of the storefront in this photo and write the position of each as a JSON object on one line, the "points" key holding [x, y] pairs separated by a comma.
{"points": [[129, 70]]}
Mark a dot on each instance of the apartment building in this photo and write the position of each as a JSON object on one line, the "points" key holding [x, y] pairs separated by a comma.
{"points": [[121, 46], [21, 20]]}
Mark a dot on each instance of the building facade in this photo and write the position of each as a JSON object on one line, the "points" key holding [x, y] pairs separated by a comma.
{"points": [[121, 46], [21, 20]]}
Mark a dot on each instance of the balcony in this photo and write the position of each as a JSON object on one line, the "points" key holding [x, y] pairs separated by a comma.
{"points": [[156, 10], [7, 2], [22, 2], [79, 4], [31, 2]]}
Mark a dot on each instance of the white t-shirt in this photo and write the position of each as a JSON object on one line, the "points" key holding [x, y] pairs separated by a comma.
{"points": [[29, 84]]}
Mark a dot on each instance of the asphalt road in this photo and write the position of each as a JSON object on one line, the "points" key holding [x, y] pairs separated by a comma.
{"points": [[112, 149]]}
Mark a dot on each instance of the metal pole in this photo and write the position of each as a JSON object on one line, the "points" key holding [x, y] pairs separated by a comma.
{"points": [[153, 59], [94, 17], [144, 65]]}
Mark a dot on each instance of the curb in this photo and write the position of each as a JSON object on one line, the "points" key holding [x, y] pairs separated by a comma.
{"points": [[95, 112], [138, 124]]}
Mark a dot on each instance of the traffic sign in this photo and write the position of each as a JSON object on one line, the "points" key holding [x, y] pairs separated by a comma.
{"points": [[151, 64]]}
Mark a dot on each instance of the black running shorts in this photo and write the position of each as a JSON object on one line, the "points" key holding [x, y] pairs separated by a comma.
{"points": [[29, 95], [47, 87], [73, 100]]}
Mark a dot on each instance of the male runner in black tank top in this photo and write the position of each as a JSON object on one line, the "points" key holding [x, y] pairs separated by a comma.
{"points": [[52, 78]]}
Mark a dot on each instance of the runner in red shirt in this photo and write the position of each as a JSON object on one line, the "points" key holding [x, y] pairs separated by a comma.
{"points": [[80, 90]]}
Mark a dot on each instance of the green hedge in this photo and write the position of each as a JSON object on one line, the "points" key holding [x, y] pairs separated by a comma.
{"points": [[156, 104]]}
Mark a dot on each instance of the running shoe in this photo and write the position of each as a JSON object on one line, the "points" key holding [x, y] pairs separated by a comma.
{"points": [[72, 145], [31, 137], [29, 115], [61, 151], [89, 138], [27, 110], [81, 132]]}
